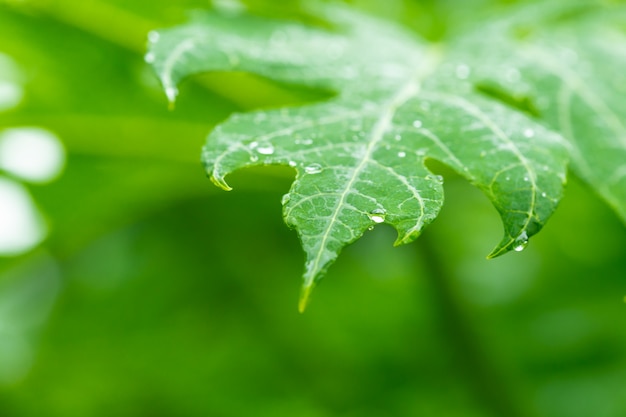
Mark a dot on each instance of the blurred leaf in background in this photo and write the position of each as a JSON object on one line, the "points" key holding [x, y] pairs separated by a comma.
{"points": [[144, 291]]}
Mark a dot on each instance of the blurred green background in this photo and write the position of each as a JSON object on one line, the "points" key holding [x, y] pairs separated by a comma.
{"points": [[147, 292]]}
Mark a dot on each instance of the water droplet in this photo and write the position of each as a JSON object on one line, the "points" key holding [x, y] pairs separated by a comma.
{"points": [[529, 133], [438, 178], [463, 71], [285, 199], [153, 36], [370, 228], [254, 158], [265, 149], [307, 141], [149, 57], [401, 154], [521, 242], [544, 194], [313, 169], [507, 178], [293, 164], [417, 124], [253, 145], [398, 137], [377, 215], [526, 179]]}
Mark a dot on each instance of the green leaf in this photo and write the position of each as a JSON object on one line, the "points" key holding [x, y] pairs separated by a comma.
{"points": [[570, 65], [492, 105]]}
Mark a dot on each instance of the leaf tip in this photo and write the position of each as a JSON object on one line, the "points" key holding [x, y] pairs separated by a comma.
{"points": [[508, 244], [305, 297], [171, 93], [219, 182]]}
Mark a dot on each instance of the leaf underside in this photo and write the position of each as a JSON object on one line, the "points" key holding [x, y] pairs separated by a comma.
{"points": [[360, 156]]}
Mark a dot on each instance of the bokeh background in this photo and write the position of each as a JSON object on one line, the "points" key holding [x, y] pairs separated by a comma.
{"points": [[132, 287]]}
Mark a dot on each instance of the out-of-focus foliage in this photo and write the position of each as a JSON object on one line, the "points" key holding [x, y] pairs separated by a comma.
{"points": [[154, 295]]}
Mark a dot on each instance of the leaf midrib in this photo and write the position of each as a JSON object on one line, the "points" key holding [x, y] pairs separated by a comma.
{"points": [[407, 91]]}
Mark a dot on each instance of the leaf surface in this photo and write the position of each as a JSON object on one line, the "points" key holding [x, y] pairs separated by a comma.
{"points": [[493, 105], [570, 65]]}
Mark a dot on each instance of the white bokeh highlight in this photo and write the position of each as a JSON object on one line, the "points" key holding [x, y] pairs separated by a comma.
{"points": [[31, 154], [21, 225]]}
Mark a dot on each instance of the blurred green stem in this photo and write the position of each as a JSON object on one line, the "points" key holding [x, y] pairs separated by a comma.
{"points": [[488, 384]]}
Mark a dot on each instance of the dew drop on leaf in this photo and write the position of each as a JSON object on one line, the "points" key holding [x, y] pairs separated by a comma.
{"points": [[417, 124], [521, 242], [285, 199], [293, 164], [462, 71], [401, 154], [265, 149], [153, 36], [377, 215], [529, 133], [149, 58], [313, 169]]}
